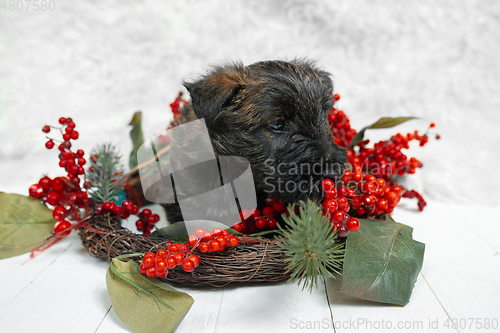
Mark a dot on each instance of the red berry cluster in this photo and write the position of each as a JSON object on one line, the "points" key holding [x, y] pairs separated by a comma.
{"points": [[252, 220], [64, 193], [212, 241], [385, 160], [368, 194], [340, 125], [146, 221], [178, 254], [337, 206], [157, 265]]}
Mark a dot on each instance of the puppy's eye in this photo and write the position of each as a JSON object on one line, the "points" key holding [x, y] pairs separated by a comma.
{"points": [[278, 126]]}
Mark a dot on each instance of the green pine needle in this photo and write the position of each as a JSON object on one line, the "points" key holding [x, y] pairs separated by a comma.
{"points": [[105, 174], [311, 247]]}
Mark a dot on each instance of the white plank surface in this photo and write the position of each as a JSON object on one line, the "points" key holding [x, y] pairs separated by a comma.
{"points": [[64, 290]]}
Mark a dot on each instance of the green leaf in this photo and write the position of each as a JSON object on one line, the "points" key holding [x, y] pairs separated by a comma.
{"points": [[385, 122], [137, 137], [24, 223], [144, 304], [382, 262], [178, 231]]}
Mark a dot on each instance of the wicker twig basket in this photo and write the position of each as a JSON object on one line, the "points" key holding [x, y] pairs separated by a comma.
{"points": [[254, 260]]}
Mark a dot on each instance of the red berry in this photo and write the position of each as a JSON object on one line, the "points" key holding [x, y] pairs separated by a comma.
{"points": [[382, 204], [432, 125], [66, 144], [151, 219], [199, 233], [217, 231], [343, 231], [338, 216], [261, 223], [342, 202], [58, 184], [352, 224], [278, 206], [179, 258], [146, 212], [360, 211], [148, 261], [142, 269], [173, 248], [53, 198], [255, 213], [182, 248], [369, 200], [370, 187], [125, 215], [192, 240], [46, 129], [81, 161], [381, 182], [195, 259], [396, 188], [267, 211], [75, 135], [160, 264], [139, 225], [343, 191], [107, 205], [327, 185], [59, 213], [233, 241], [162, 274], [330, 205], [188, 266], [272, 223], [238, 227], [117, 210], [203, 247], [245, 214], [332, 194], [71, 124], [171, 262], [391, 197], [62, 120], [135, 210], [213, 246], [49, 144], [66, 136], [60, 227], [62, 163], [336, 97], [151, 272], [80, 153], [36, 191]]}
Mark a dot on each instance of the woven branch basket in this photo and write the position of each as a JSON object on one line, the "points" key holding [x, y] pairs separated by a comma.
{"points": [[256, 260]]}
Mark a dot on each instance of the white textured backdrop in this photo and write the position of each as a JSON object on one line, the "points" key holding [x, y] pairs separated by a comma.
{"points": [[99, 61]]}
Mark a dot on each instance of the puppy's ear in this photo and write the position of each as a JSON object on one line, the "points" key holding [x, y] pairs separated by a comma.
{"points": [[216, 91]]}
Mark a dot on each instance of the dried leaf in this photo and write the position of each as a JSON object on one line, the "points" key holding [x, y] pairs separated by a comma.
{"points": [[144, 304], [24, 224], [382, 262]]}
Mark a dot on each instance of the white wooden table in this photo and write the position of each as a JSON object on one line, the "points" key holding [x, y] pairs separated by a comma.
{"points": [[64, 289]]}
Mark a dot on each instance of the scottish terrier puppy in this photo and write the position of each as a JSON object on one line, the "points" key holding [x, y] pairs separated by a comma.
{"points": [[274, 114]]}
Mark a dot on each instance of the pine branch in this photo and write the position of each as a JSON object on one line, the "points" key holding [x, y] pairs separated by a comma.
{"points": [[105, 174], [312, 249]]}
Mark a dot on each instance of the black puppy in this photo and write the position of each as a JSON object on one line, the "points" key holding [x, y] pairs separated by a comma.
{"points": [[273, 113]]}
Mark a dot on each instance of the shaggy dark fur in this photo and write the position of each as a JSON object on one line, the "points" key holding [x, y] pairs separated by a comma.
{"points": [[273, 113]]}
